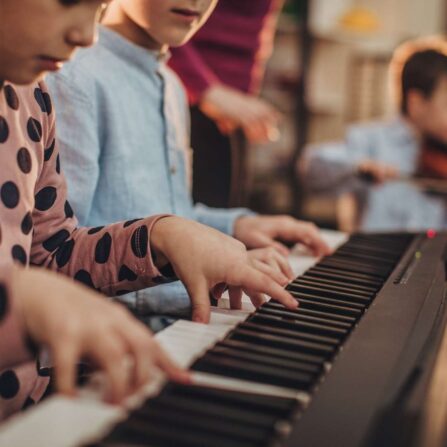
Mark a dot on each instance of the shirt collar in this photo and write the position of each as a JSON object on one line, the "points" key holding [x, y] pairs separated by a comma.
{"points": [[141, 57]]}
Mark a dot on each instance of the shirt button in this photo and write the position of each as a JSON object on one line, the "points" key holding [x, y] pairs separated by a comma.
{"points": [[173, 169]]}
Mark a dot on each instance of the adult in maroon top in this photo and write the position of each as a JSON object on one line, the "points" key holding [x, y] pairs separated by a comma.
{"points": [[222, 68]]}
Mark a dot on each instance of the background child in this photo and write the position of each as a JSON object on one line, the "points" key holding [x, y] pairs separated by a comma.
{"points": [[124, 133], [383, 151], [37, 223]]}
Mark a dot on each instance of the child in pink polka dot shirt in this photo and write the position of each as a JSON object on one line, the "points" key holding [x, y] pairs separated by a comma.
{"points": [[37, 227]]}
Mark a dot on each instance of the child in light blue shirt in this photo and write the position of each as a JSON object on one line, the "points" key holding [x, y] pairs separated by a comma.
{"points": [[124, 136]]}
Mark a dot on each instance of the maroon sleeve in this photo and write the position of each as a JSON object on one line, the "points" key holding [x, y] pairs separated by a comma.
{"points": [[195, 74]]}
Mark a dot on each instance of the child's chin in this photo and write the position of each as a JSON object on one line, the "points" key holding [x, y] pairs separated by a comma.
{"points": [[24, 77]]}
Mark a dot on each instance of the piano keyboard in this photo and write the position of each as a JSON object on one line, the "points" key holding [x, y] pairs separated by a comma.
{"points": [[260, 374]]}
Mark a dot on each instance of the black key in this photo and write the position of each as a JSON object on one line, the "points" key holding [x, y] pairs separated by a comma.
{"points": [[136, 432], [295, 335], [216, 408], [266, 360], [273, 352], [306, 303], [334, 286], [322, 299], [349, 273], [260, 403], [328, 292], [241, 369], [320, 314], [299, 316], [297, 325], [356, 268], [344, 277], [337, 283], [202, 422], [282, 342]]}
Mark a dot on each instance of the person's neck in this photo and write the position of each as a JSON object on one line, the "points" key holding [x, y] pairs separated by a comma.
{"points": [[117, 20]]}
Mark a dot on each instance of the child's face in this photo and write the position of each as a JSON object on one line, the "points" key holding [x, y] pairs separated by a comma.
{"points": [[169, 22], [430, 114], [37, 36]]}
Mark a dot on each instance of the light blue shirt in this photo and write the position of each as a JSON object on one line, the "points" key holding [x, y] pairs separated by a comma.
{"points": [[330, 168], [123, 128]]}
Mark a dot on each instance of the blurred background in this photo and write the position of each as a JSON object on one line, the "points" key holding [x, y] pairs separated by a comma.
{"points": [[329, 68]]}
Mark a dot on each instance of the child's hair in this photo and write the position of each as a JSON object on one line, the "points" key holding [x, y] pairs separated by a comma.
{"points": [[418, 65]]}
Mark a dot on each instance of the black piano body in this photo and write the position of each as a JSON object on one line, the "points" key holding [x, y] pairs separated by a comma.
{"points": [[371, 386]]}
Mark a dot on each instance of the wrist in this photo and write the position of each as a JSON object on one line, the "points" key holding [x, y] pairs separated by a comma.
{"points": [[157, 242], [240, 224]]}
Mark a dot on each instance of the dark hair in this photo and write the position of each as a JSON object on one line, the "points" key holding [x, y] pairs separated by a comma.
{"points": [[422, 71]]}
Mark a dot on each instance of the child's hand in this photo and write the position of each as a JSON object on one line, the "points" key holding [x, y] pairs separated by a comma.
{"points": [[376, 171], [232, 109], [267, 231], [206, 260], [270, 258], [76, 323]]}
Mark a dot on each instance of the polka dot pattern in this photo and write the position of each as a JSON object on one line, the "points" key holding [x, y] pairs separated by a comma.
{"points": [[11, 97], [139, 241], [68, 210], [64, 253], [126, 274], [9, 384], [103, 247], [4, 130], [24, 160], [43, 100], [49, 151], [58, 164], [19, 254], [27, 223], [34, 129], [53, 242], [3, 301], [84, 277], [95, 230], [130, 222], [9, 193], [45, 198]]}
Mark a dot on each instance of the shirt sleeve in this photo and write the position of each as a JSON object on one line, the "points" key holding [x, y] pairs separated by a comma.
{"points": [[195, 74], [326, 168], [79, 150], [114, 259], [13, 347], [221, 219], [331, 167]]}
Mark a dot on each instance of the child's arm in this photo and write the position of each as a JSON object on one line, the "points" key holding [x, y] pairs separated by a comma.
{"points": [[120, 258], [328, 168]]}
